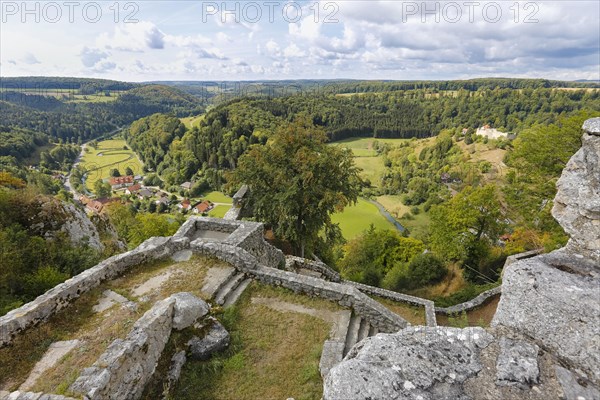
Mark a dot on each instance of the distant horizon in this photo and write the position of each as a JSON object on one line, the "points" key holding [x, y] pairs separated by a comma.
{"points": [[302, 79]]}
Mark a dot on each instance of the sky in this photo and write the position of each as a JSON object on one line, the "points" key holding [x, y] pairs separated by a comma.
{"points": [[273, 40]]}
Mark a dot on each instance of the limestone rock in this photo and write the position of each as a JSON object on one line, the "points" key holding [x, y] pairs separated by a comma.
{"points": [[557, 306], [414, 363], [49, 216], [177, 362], [216, 339], [574, 388], [517, 363], [188, 309], [577, 202]]}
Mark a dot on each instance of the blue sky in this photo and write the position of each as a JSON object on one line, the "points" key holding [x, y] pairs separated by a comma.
{"points": [[206, 40]]}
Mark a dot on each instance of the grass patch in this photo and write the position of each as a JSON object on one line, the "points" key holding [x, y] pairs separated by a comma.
{"points": [[417, 225], [97, 331], [219, 211], [109, 154], [191, 122], [17, 359], [372, 169], [356, 219], [217, 197], [413, 314], [273, 355]]}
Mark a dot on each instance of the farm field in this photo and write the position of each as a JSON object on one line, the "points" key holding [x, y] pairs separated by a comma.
{"points": [[356, 219], [69, 95], [109, 154]]}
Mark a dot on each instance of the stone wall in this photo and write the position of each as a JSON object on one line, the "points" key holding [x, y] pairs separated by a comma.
{"points": [[399, 297], [345, 295], [125, 368], [62, 295], [297, 264], [471, 304]]}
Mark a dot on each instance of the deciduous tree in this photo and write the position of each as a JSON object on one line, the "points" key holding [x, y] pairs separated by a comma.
{"points": [[296, 182]]}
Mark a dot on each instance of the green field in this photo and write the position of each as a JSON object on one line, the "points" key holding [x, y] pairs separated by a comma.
{"points": [[69, 95], [417, 225], [366, 158], [217, 197], [191, 122], [356, 219], [219, 211], [109, 154]]}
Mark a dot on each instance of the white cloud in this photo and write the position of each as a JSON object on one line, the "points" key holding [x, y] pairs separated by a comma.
{"points": [[133, 37], [30, 59], [293, 51], [91, 56], [273, 48]]}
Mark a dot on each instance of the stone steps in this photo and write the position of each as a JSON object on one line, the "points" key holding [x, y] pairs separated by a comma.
{"points": [[217, 279], [228, 287], [235, 294], [352, 335], [335, 349], [363, 331]]}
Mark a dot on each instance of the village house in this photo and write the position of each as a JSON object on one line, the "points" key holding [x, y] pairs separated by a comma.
{"points": [[203, 207], [186, 185], [185, 205], [119, 182], [96, 206], [490, 133], [162, 200], [144, 194], [133, 189]]}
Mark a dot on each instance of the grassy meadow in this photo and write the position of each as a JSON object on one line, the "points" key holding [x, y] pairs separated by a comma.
{"points": [[191, 122], [109, 154], [356, 219]]}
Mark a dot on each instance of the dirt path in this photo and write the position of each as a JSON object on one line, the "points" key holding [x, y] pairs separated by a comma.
{"points": [[336, 318]]}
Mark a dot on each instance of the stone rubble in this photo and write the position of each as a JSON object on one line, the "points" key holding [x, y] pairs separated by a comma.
{"points": [[217, 339]]}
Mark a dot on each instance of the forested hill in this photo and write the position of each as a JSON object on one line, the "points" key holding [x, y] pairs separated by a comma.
{"points": [[469, 84], [225, 133], [24, 116], [81, 85]]}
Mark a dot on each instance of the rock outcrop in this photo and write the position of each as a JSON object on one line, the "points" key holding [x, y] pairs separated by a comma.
{"points": [[577, 203], [415, 363], [544, 342], [50, 216]]}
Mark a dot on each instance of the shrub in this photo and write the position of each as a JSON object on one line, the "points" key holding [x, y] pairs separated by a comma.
{"points": [[426, 269]]}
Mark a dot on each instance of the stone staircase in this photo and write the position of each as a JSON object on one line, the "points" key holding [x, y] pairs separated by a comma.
{"points": [[352, 330], [228, 288]]}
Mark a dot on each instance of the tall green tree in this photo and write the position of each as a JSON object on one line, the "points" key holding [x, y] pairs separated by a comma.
{"points": [[102, 189], [296, 182], [471, 216]]}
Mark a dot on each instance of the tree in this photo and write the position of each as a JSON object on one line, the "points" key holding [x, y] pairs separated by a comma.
{"points": [[458, 224], [296, 181], [115, 173], [102, 189], [128, 171], [372, 255]]}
